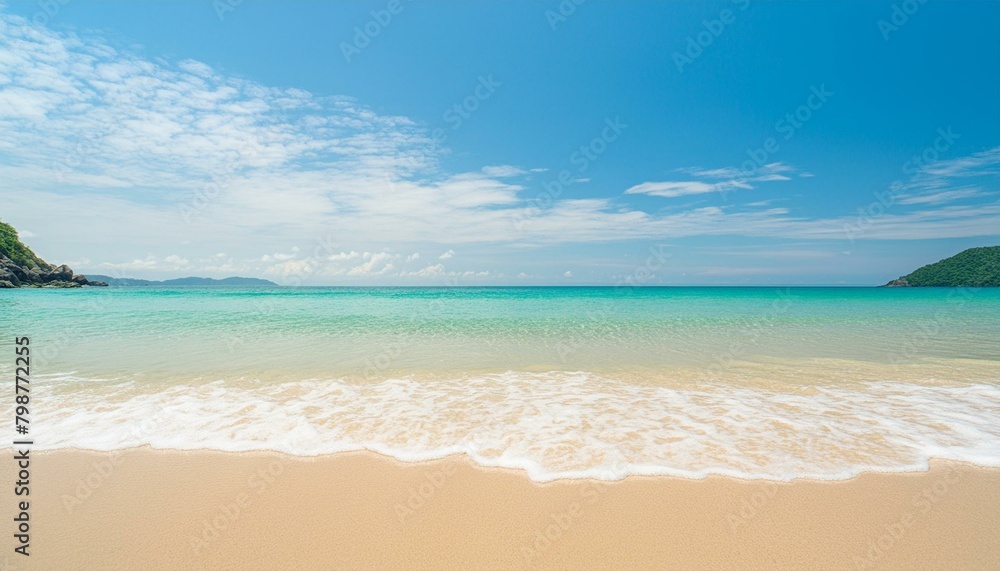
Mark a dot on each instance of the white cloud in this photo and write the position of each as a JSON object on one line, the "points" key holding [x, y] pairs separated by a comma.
{"points": [[730, 179], [568, 274], [447, 255], [345, 256], [429, 271], [291, 268], [942, 196], [147, 263], [951, 180], [503, 171], [413, 257], [983, 163], [129, 152], [375, 264], [671, 189]]}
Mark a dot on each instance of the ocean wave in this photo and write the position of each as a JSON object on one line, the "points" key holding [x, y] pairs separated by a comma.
{"points": [[551, 425]]}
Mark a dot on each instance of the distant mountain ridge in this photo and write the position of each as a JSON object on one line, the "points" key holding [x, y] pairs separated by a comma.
{"points": [[188, 281], [20, 267], [975, 267]]}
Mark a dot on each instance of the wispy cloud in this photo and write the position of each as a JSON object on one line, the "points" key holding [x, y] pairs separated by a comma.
{"points": [[713, 180], [672, 189], [983, 163], [941, 197], [501, 171], [951, 180]]}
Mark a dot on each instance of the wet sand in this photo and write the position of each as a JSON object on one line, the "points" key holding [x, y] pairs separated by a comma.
{"points": [[146, 509]]}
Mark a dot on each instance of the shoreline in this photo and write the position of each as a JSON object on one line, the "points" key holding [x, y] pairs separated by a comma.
{"points": [[465, 458], [160, 509]]}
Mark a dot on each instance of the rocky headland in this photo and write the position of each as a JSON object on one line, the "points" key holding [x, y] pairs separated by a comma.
{"points": [[20, 267]]}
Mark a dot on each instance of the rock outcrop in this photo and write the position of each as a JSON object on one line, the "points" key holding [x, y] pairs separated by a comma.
{"points": [[14, 275], [20, 267]]}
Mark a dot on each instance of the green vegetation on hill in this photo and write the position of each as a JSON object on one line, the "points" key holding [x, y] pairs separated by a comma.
{"points": [[975, 267], [11, 246]]}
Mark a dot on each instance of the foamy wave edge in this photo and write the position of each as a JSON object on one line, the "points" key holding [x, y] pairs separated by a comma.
{"points": [[549, 425]]}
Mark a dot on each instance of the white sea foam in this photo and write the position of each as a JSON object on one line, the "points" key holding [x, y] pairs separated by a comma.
{"points": [[551, 425]]}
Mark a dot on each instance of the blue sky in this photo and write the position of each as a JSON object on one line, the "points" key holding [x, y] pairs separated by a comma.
{"points": [[502, 143]]}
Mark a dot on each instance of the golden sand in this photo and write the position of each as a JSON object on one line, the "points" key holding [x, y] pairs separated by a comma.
{"points": [[146, 510]]}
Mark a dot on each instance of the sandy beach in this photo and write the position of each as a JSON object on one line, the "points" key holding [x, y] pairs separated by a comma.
{"points": [[149, 509]]}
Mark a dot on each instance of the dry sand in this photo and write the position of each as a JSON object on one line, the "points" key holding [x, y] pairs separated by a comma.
{"points": [[146, 510]]}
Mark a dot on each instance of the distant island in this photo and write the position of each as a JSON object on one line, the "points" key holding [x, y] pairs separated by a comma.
{"points": [[189, 281], [975, 267], [20, 267]]}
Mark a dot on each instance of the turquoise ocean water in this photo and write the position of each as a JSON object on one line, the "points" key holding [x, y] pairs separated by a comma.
{"points": [[560, 382]]}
